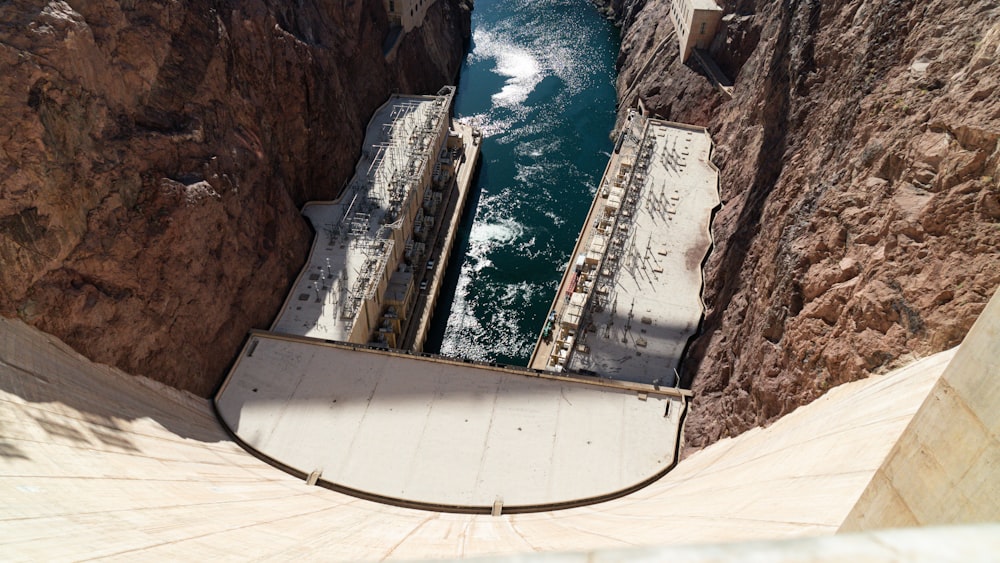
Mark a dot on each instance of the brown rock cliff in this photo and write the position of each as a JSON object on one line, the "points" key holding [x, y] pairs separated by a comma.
{"points": [[154, 154], [859, 158]]}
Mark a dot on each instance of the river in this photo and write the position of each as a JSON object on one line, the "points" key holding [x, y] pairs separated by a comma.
{"points": [[539, 81]]}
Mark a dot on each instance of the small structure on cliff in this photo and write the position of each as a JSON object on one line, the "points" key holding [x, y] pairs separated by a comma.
{"points": [[696, 22], [407, 14], [404, 16]]}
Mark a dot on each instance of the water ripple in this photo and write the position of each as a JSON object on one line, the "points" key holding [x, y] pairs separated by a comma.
{"points": [[539, 84]]}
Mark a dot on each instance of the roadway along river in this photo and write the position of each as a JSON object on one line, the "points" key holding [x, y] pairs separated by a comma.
{"points": [[539, 82]]}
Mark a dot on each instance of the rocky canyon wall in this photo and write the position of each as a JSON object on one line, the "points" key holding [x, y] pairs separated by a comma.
{"points": [[859, 157], [153, 156]]}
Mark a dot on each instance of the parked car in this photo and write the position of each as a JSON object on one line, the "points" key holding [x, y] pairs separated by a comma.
{"points": [[430, 264], [423, 285]]}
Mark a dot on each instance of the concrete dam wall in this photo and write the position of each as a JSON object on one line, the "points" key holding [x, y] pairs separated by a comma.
{"points": [[96, 463]]}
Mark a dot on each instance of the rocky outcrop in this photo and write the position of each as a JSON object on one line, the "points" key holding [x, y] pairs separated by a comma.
{"points": [[154, 155], [861, 179]]}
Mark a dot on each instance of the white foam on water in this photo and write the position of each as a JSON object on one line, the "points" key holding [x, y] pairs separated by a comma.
{"points": [[520, 66], [466, 334], [461, 321], [487, 124], [518, 130], [486, 237], [526, 174], [528, 249], [503, 231], [537, 148], [525, 53], [519, 294], [536, 56], [557, 219]]}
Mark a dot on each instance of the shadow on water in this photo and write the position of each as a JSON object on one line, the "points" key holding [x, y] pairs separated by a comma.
{"points": [[436, 333]]}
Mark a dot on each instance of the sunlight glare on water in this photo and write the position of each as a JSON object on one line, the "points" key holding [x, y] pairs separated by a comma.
{"points": [[539, 82]]}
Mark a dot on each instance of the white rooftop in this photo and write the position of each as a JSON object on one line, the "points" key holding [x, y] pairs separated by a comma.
{"points": [[353, 233], [445, 433], [630, 298], [653, 301]]}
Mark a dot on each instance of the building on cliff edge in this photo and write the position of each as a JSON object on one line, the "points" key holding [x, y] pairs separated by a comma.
{"points": [[696, 22], [407, 14], [358, 282]]}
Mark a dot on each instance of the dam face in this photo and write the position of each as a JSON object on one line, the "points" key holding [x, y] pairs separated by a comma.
{"points": [[96, 463], [314, 448], [446, 435]]}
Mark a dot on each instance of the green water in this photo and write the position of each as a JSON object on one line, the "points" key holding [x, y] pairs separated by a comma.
{"points": [[539, 81]]}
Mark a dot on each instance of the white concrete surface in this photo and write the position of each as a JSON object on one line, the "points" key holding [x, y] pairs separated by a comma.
{"points": [[631, 295], [98, 464], [359, 237], [444, 433], [656, 295], [945, 469], [961, 544]]}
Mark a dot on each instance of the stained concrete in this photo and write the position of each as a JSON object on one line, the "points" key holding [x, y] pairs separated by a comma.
{"points": [[443, 433], [95, 463], [945, 469], [631, 295]]}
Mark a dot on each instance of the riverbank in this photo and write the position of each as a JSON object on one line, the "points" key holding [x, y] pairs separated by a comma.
{"points": [[441, 254]]}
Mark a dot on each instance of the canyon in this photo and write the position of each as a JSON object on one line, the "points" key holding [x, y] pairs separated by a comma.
{"points": [[859, 173], [155, 156]]}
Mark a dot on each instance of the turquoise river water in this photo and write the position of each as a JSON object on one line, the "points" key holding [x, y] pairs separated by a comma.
{"points": [[539, 81]]}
